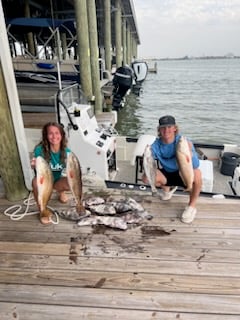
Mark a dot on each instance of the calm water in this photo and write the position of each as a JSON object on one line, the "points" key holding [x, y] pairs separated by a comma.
{"points": [[203, 95]]}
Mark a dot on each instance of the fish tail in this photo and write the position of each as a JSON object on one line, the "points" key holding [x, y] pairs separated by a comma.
{"points": [[45, 213], [80, 208]]}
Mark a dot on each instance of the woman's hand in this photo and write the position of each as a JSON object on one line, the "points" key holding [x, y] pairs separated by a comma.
{"points": [[33, 163]]}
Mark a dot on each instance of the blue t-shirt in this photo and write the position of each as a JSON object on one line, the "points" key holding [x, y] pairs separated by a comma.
{"points": [[166, 154], [55, 161]]}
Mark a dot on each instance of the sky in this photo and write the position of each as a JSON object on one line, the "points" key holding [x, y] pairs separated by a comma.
{"points": [[194, 28]]}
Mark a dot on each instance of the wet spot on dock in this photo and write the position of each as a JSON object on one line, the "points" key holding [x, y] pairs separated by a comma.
{"points": [[154, 231]]}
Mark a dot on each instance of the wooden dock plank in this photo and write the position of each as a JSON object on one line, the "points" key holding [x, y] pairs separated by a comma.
{"points": [[38, 311], [150, 281], [178, 272], [121, 299]]}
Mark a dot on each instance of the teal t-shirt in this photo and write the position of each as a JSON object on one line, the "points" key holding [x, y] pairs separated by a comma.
{"points": [[55, 163]]}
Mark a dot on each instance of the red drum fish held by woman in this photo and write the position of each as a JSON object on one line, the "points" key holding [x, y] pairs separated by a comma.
{"points": [[44, 185], [74, 176]]}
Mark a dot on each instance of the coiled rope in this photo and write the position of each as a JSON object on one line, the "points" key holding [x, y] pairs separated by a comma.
{"points": [[16, 212]]}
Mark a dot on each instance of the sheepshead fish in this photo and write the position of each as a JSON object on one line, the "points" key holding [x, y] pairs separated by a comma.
{"points": [[93, 201], [103, 209], [72, 214], [184, 160], [138, 208], [44, 185], [113, 222], [74, 176], [150, 168]]}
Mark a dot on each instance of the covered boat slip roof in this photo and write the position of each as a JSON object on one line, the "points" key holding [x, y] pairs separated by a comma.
{"points": [[46, 28], [24, 25], [65, 11], [160, 269]]}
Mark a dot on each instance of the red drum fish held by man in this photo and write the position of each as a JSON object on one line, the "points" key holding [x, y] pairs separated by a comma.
{"points": [[184, 159], [74, 176], [44, 186], [150, 168]]}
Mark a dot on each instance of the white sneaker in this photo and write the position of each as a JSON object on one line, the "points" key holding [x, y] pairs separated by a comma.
{"points": [[188, 214], [164, 195]]}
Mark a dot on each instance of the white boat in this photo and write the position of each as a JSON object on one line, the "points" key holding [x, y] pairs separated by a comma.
{"points": [[117, 160]]}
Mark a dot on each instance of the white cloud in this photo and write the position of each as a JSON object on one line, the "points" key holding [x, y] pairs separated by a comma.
{"points": [[175, 27]]}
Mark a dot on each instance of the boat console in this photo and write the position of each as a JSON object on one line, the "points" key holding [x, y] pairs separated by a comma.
{"points": [[95, 147]]}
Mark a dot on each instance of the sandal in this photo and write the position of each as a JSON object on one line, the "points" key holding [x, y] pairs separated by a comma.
{"points": [[63, 197]]}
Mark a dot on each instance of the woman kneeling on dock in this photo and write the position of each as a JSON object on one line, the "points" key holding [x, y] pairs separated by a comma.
{"points": [[53, 148], [164, 150]]}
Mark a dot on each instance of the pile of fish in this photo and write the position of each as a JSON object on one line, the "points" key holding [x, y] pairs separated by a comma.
{"points": [[92, 211], [114, 214]]}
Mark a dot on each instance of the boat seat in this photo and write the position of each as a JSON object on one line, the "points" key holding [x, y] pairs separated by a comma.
{"points": [[206, 167], [137, 159], [143, 140]]}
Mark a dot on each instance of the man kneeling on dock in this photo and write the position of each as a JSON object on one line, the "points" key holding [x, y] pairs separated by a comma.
{"points": [[178, 165]]}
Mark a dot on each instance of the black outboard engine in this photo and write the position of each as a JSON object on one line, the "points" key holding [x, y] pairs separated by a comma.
{"points": [[122, 82]]}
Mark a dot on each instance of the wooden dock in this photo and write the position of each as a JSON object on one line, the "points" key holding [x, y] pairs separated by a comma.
{"points": [[161, 269]]}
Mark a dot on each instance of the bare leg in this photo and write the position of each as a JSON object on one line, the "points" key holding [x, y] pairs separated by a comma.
{"points": [[35, 190], [196, 189], [61, 186], [160, 181]]}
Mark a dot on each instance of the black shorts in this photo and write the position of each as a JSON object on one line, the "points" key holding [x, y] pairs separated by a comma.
{"points": [[173, 178]]}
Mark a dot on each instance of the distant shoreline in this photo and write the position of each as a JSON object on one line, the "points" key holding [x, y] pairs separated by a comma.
{"points": [[194, 58]]}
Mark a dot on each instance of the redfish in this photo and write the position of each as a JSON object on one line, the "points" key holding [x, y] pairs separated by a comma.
{"points": [[150, 168], [74, 176], [44, 185], [184, 160]]}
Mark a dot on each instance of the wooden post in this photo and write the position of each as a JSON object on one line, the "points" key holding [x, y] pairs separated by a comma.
{"points": [[128, 45], [93, 41], [10, 164], [64, 45], [107, 34], [118, 29], [124, 42], [30, 38], [83, 47]]}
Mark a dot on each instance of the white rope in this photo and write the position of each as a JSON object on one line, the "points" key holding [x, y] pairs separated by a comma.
{"points": [[15, 212]]}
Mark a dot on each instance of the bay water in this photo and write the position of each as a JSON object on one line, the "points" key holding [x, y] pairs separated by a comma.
{"points": [[202, 94]]}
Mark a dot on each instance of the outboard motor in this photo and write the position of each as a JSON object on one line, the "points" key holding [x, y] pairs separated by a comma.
{"points": [[122, 81], [140, 69]]}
